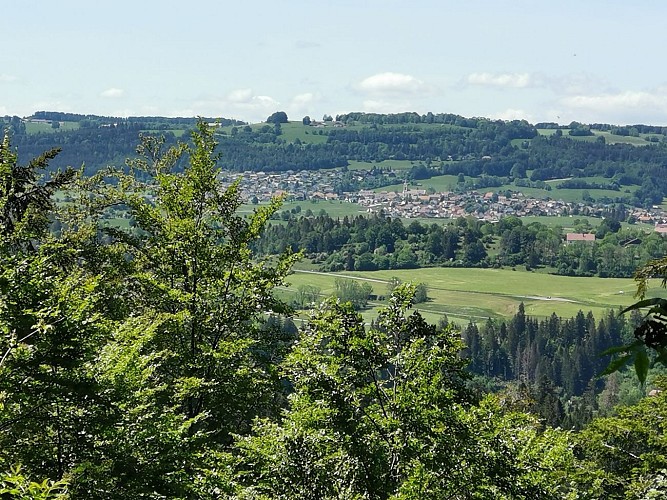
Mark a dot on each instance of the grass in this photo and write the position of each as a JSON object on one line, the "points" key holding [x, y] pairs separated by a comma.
{"points": [[333, 208], [443, 183], [440, 183], [478, 294], [385, 164], [45, 128], [608, 137]]}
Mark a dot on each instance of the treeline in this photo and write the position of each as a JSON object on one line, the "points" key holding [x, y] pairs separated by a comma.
{"points": [[261, 151], [403, 118], [445, 143], [160, 122], [557, 358], [365, 243], [95, 147]]}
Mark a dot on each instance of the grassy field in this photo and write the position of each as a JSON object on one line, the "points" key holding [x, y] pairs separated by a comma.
{"points": [[45, 128], [478, 294], [443, 183], [440, 183], [608, 137], [332, 208], [386, 164]]}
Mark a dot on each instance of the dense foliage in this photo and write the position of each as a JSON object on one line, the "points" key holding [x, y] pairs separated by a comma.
{"points": [[364, 243], [154, 362]]}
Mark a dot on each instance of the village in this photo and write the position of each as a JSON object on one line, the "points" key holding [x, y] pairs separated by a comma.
{"points": [[260, 187]]}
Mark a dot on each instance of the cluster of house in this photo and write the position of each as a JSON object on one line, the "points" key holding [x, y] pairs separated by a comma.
{"points": [[261, 187], [485, 206], [418, 203]]}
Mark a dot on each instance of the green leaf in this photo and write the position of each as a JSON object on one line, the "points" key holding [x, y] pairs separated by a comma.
{"points": [[616, 364], [622, 348], [662, 356], [641, 365], [645, 303]]}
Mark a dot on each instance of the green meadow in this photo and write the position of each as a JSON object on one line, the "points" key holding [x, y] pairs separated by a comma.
{"points": [[46, 128], [333, 208], [608, 137], [477, 294]]}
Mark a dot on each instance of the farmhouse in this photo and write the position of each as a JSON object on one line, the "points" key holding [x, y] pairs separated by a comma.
{"points": [[573, 237]]}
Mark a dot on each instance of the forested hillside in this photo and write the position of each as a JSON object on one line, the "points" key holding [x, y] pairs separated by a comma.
{"points": [[152, 362], [500, 151]]}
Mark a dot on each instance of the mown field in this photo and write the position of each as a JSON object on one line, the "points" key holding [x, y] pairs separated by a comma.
{"points": [[46, 128], [608, 137], [478, 294]]}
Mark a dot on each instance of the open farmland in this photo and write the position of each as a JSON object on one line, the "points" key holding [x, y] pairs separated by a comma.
{"points": [[477, 294]]}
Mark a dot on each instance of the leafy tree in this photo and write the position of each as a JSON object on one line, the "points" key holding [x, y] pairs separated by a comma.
{"points": [[384, 413], [306, 295], [191, 364], [277, 118], [48, 403], [651, 333], [306, 120], [629, 449], [349, 290], [421, 293], [14, 484], [25, 199]]}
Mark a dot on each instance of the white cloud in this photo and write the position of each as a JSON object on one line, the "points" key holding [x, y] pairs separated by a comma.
{"points": [[386, 106], [391, 83], [239, 103], [55, 105], [512, 114], [7, 78], [302, 104], [112, 93], [501, 80], [626, 99], [240, 95], [574, 84], [303, 99], [628, 106]]}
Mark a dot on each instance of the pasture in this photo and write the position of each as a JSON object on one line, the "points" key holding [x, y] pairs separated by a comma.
{"points": [[477, 294], [46, 128], [444, 183], [608, 137]]}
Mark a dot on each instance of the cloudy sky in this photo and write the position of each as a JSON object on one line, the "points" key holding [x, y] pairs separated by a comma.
{"points": [[590, 61]]}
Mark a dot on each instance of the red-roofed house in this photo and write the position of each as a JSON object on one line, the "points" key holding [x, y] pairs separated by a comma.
{"points": [[572, 237]]}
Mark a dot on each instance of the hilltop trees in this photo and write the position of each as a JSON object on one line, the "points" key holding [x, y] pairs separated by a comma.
{"points": [[277, 117]]}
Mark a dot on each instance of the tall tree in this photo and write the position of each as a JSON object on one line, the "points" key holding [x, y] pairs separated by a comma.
{"points": [[191, 364], [48, 400], [378, 413]]}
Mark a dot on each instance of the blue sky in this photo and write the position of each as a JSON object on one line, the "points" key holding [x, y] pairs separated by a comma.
{"points": [[590, 61]]}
